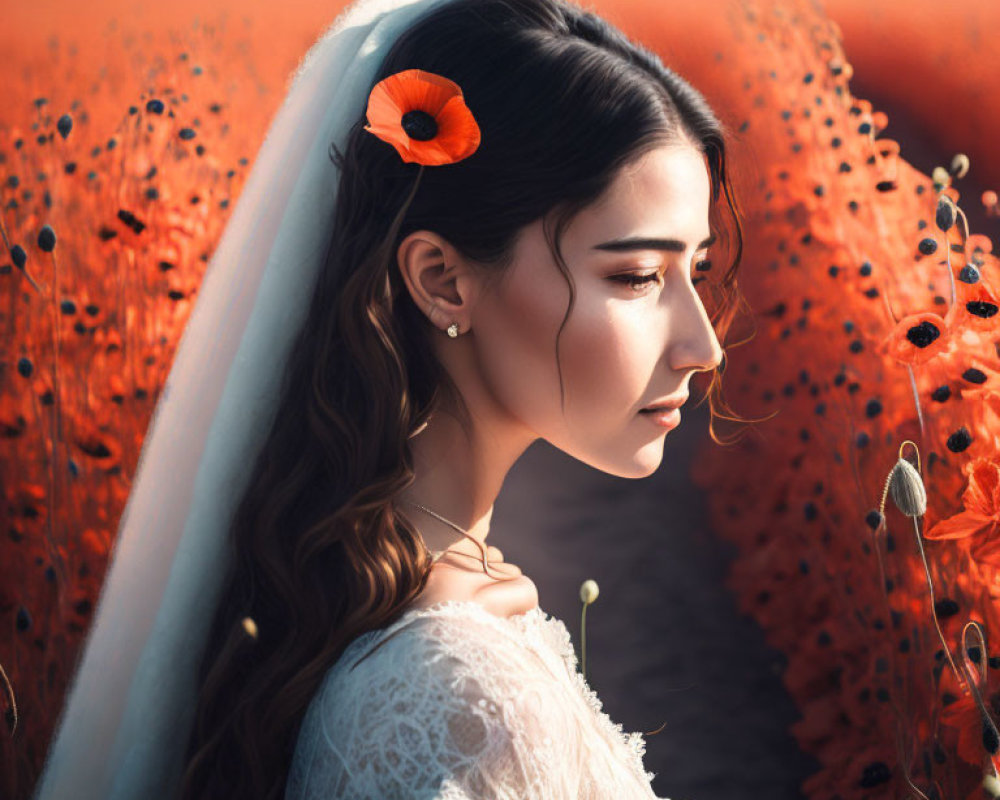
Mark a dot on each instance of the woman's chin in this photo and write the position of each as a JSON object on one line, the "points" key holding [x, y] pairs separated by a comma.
{"points": [[649, 463], [642, 463]]}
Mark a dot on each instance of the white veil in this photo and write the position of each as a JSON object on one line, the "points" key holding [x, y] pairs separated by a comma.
{"points": [[124, 728]]}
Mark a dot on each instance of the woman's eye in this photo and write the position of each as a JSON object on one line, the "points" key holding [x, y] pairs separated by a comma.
{"points": [[635, 281]]}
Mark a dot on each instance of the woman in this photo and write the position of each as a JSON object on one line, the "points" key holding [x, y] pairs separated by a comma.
{"points": [[520, 264]]}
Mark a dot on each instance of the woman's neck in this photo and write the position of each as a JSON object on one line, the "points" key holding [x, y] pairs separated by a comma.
{"points": [[457, 476]]}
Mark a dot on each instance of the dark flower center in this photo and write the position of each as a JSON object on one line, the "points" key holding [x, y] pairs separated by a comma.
{"points": [[923, 334], [419, 125]]}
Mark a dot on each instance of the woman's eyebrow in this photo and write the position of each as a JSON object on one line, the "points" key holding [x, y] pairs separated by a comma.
{"points": [[638, 243]]}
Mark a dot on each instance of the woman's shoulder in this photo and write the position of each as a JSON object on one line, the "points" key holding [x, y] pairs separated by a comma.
{"points": [[452, 629], [465, 698], [450, 690], [432, 647], [458, 614]]}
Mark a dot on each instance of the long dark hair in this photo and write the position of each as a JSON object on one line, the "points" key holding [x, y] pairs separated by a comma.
{"points": [[319, 553]]}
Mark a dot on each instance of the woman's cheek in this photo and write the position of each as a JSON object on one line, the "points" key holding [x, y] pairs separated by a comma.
{"points": [[519, 349], [598, 350]]}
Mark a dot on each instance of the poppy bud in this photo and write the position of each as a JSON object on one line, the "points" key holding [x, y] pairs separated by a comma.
{"points": [[945, 216], [969, 274], [959, 165], [589, 591], [907, 489], [47, 239], [927, 246]]}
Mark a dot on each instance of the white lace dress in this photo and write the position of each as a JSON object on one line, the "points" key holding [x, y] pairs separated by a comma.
{"points": [[452, 702]]}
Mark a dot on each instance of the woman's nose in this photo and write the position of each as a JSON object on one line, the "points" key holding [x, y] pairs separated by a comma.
{"points": [[693, 341]]}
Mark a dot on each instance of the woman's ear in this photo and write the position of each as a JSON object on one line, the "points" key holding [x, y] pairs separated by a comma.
{"points": [[439, 280]]}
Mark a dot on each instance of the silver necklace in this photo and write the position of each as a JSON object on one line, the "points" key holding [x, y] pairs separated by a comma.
{"points": [[436, 554]]}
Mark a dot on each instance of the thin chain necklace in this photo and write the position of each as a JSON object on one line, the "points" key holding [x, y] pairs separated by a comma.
{"points": [[439, 553]]}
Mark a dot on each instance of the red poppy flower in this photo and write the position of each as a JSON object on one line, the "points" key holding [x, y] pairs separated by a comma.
{"points": [[980, 517], [916, 338], [980, 305], [424, 116], [964, 716]]}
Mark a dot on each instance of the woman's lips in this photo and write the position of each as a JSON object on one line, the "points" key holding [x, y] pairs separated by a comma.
{"points": [[664, 417]]}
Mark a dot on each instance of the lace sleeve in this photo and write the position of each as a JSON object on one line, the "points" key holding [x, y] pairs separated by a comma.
{"points": [[441, 709]]}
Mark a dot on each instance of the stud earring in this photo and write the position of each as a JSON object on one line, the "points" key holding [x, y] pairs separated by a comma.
{"points": [[453, 330]]}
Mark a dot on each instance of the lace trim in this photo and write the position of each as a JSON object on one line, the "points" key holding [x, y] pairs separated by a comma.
{"points": [[546, 633]]}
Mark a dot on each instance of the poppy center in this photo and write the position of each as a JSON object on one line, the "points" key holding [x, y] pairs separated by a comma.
{"points": [[419, 125], [923, 334]]}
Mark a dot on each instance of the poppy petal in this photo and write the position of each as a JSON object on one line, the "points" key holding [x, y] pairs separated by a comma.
{"points": [[963, 524], [460, 133], [430, 92], [430, 152], [415, 88], [383, 107], [987, 548], [981, 493]]}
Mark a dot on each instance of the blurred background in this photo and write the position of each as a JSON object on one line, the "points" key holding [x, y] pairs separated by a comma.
{"points": [[742, 603]]}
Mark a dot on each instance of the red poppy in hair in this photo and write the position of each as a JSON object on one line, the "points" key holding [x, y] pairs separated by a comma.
{"points": [[424, 116]]}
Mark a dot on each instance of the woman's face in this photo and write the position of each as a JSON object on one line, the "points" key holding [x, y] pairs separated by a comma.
{"points": [[624, 346]]}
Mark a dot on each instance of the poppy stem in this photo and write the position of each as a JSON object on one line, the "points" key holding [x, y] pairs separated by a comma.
{"points": [[965, 221], [914, 789], [930, 588], [10, 692], [951, 274], [896, 710], [916, 398], [24, 269], [904, 762], [989, 725]]}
